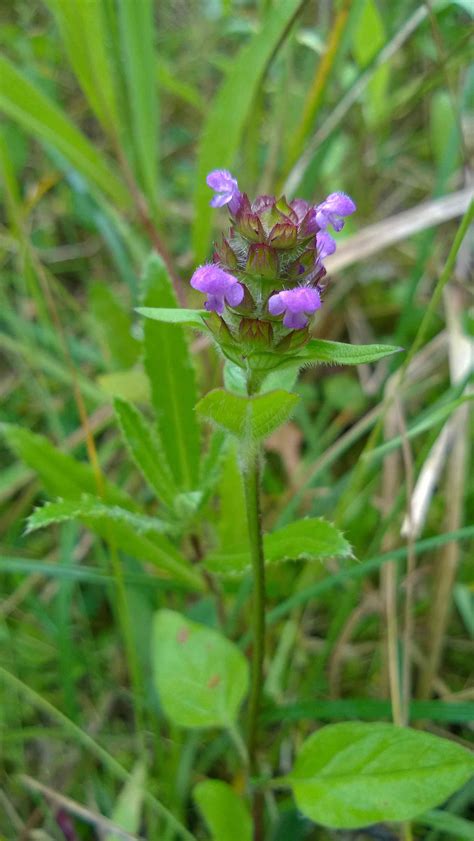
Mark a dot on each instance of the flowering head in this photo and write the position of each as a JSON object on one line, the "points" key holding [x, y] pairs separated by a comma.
{"points": [[267, 276]]}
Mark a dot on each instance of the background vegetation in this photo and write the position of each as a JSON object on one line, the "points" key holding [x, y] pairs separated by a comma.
{"points": [[112, 113]]}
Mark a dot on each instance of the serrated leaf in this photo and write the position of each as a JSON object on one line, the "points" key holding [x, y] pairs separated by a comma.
{"points": [[225, 813], [60, 474], [351, 775], [232, 520], [306, 540], [173, 385], [249, 418], [146, 450], [229, 112], [192, 318], [340, 353], [201, 677], [140, 536], [25, 103]]}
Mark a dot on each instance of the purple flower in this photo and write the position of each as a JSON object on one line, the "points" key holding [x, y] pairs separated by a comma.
{"points": [[325, 245], [220, 287], [297, 304], [333, 210], [227, 189]]}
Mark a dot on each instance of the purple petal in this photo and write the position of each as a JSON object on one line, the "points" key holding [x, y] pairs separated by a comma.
{"points": [[234, 295], [301, 299], [325, 245], [215, 303], [222, 180], [220, 199], [333, 210], [295, 321], [275, 304]]}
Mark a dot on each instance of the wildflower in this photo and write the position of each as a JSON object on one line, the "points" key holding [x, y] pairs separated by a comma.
{"points": [[227, 189], [220, 287], [297, 304], [333, 210]]}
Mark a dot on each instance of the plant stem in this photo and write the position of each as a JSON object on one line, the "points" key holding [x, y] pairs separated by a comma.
{"points": [[254, 521]]}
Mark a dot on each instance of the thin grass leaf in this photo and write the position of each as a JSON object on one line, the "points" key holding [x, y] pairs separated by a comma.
{"points": [[84, 33], [25, 103], [137, 31], [231, 109]]}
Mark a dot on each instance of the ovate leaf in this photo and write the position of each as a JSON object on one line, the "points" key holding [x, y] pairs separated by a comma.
{"points": [[146, 450], [60, 474], [352, 775], [225, 813], [249, 418], [201, 677], [191, 318], [173, 385], [139, 536], [306, 540], [339, 353]]}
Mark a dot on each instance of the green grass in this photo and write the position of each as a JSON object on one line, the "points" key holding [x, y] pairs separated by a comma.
{"points": [[108, 127]]}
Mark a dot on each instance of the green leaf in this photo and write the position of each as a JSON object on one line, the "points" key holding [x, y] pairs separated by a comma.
{"points": [[306, 540], [232, 521], [21, 100], [222, 133], [114, 326], [60, 474], [368, 36], [201, 677], [172, 379], [146, 450], [451, 825], [192, 318], [225, 813], [249, 418], [352, 775], [139, 536], [138, 61], [128, 806], [339, 353], [83, 31]]}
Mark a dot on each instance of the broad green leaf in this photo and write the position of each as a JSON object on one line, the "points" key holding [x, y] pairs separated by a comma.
{"points": [[192, 318], [128, 806], [135, 534], [249, 418], [83, 30], [352, 775], [306, 540], [137, 35], [339, 353], [172, 379], [21, 100], [114, 326], [201, 677], [146, 450], [222, 132], [225, 813], [60, 474]]}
